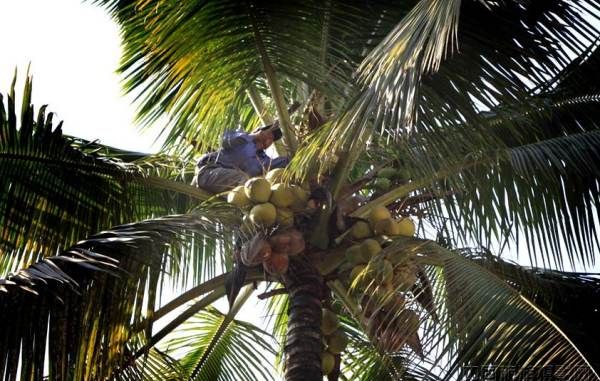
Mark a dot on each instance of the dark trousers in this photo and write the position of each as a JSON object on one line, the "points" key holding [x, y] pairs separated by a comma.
{"points": [[216, 179]]}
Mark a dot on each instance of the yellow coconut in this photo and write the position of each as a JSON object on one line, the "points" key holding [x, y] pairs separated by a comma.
{"points": [[258, 189], [384, 227], [336, 343], [329, 322], [393, 228], [285, 217], [379, 213], [369, 248], [300, 198], [385, 271], [263, 214], [406, 227], [361, 230], [327, 362], [282, 195], [274, 175], [237, 196], [354, 255], [358, 274]]}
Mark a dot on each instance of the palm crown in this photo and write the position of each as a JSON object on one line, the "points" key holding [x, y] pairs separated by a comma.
{"points": [[485, 110]]}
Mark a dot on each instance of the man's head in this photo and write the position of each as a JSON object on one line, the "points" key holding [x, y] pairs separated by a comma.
{"points": [[265, 136]]}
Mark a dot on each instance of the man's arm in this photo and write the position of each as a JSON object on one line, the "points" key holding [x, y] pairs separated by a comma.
{"points": [[280, 162]]}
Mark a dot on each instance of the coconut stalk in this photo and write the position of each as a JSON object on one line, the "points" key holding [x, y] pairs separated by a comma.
{"points": [[276, 93], [263, 113], [321, 235]]}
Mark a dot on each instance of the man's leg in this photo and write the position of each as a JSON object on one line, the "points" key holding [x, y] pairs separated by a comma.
{"points": [[217, 179]]}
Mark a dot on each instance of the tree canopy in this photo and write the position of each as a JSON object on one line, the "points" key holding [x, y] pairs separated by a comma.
{"points": [[485, 110]]}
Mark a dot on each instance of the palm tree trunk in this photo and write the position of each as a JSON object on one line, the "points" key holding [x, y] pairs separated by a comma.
{"points": [[304, 341]]}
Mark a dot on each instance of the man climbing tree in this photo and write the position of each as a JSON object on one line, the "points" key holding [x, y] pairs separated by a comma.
{"points": [[241, 156]]}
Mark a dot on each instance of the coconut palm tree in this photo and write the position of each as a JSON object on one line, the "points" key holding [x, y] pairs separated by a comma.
{"points": [[475, 118]]}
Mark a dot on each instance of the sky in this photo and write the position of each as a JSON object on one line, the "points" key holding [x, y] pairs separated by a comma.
{"points": [[74, 50]]}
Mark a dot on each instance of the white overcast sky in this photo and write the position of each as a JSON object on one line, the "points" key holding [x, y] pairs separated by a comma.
{"points": [[74, 50]]}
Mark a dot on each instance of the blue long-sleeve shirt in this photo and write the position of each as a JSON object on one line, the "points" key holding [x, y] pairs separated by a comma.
{"points": [[238, 150]]}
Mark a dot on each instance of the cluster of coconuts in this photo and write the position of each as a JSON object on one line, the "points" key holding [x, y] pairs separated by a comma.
{"points": [[383, 279], [334, 338], [363, 255], [385, 178], [269, 203]]}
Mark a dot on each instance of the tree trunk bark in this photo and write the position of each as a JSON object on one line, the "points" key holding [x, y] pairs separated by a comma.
{"points": [[304, 340]]}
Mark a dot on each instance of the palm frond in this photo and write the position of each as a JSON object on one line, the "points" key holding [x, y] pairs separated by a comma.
{"points": [[78, 305], [481, 321], [523, 50], [277, 318], [56, 190], [540, 187], [236, 351], [570, 298], [195, 61], [153, 367], [363, 361], [415, 46]]}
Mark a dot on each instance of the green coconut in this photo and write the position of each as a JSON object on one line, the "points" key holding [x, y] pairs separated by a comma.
{"points": [[327, 362], [336, 343], [358, 273], [406, 227], [264, 214], [329, 322], [258, 189], [369, 248], [237, 196], [285, 217], [282, 195], [274, 175], [379, 213], [361, 230], [300, 198], [354, 255]]}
